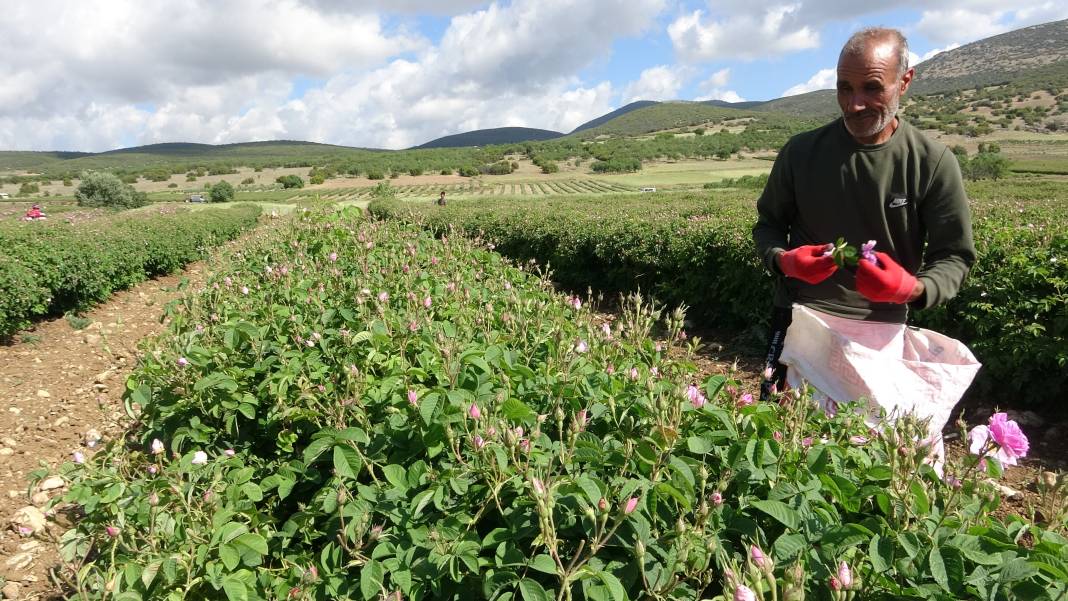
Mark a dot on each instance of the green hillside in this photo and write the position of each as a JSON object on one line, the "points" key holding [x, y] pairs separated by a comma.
{"points": [[619, 112], [820, 104], [496, 135], [663, 116]]}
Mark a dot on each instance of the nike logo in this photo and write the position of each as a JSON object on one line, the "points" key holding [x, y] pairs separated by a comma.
{"points": [[899, 200]]}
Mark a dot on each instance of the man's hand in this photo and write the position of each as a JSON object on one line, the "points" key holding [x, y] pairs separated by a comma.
{"points": [[808, 263], [886, 282]]}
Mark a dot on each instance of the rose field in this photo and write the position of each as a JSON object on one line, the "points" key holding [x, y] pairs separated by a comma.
{"points": [[695, 249], [350, 408]]}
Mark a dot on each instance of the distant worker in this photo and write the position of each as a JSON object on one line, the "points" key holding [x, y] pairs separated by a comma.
{"points": [[34, 213], [441, 199], [865, 176]]}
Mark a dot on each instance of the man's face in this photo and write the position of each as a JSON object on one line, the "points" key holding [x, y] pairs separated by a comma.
{"points": [[869, 92]]}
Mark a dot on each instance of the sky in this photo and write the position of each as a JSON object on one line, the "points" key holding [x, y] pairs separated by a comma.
{"points": [[106, 74]]}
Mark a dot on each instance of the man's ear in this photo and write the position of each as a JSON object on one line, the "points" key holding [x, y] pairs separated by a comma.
{"points": [[906, 79]]}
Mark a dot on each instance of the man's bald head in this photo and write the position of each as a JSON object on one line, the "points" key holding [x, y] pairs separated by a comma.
{"points": [[879, 40]]}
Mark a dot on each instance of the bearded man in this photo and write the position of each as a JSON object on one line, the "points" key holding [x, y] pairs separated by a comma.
{"points": [[865, 176]]}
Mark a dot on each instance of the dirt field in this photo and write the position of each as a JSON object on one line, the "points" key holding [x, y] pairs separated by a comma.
{"points": [[60, 389]]}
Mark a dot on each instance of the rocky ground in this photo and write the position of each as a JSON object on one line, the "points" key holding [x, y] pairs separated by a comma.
{"points": [[60, 393]]}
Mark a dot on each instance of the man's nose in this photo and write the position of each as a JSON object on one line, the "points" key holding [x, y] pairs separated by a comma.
{"points": [[857, 103]]}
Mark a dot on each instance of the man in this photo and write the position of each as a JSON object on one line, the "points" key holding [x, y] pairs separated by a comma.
{"points": [[866, 176], [441, 199]]}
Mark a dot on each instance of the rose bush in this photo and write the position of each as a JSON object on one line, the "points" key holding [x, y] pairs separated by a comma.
{"points": [[310, 427]]}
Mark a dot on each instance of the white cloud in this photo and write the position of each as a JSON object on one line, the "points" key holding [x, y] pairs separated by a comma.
{"points": [[193, 70], [656, 83], [776, 30], [915, 59], [713, 88], [966, 22], [822, 80]]}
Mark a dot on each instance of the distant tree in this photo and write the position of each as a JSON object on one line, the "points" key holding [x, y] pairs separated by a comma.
{"points": [[102, 189], [549, 167], [700, 131], [468, 171], [446, 172], [29, 188], [67, 182], [290, 181], [172, 185], [375, 174], [988, 165], [247, 181], [221, 192]]}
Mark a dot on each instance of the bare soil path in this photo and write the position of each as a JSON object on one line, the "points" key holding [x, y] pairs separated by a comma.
{"points": [[60, 390]]}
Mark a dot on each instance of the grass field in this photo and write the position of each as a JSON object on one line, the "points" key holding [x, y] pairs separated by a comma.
{"points": [[690, 172]]}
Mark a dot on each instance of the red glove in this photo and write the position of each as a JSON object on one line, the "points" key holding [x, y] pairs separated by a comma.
{"points": [[885, 281], [808, 263]]}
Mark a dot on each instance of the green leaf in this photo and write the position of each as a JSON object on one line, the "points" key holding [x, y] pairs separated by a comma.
{"points": [[782, 512], [698, 445], [788, 545], [938, 569], [614, 585], [235, 589], [428, 405], [149, 574], [372, 577], [881, 552], [229, 556], [316, 448], [532, 591], [396, 475], [517, 410], [346, 462], [253, 541], [543, 563]]}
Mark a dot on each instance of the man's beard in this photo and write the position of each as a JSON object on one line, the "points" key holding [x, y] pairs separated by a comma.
{"points": [[856, 126]]}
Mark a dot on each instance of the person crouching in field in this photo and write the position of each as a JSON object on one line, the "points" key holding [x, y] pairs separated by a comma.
{"points": [[35, 212], [441, 199], [868, 175]]}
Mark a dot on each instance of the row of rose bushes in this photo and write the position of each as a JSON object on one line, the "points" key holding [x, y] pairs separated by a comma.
{"points": [[50, 267], [352, 409], [695, 249]]}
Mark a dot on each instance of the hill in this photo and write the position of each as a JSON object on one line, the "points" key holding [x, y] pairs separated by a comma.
{"points": [[819, 104], [660, 116], [619, 112], [994, 60], [496, 135]]}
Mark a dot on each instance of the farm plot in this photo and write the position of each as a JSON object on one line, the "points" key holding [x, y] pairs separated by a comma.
{"points": [[353, 409], [695, 249]]}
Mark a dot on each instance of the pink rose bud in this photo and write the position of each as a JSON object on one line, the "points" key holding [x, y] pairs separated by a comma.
{"points": [[477, 442], [631, 505], [79, 457], [333, 257], [152, 470], [182, 362], [744, 593], [474, 411], [581, 347], [777, 435], [413, 398], [602, 504], [581, 418], [717, 499], [244, 290], [524, 445], [806, 441], [758, 557], [427, 302], [538, 486], [835, 584], [153, 499], [634, 373], [745, 400], [229, 452], [200, 458], [845, 575], [157, 446], [113, 531], [383, 297]]}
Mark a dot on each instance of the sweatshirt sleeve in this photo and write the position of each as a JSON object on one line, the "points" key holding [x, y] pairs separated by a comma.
{"points": [[776, 209], [950, 251]]}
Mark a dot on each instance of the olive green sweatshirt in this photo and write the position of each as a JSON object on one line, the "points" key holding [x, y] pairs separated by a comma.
{"points": [[904, 194]]}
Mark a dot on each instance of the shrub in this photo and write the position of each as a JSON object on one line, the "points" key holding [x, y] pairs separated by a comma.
{"points": [[172, 185], [190, 177], [498, 168], [549, 167], [56, 267], [468, 171], [317, 179], [616, 165], [446, 172], [67, 182], [29, 188], [102, 189], [290, 181], [375, 174], [496, 442], [247, 181], [415, 171], [222, 192]]}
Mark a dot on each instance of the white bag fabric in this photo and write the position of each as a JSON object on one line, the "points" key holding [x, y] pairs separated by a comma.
{"points": [[894, 367]]}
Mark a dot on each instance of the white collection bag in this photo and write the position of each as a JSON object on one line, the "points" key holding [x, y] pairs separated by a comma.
{"points": [[889, 366]]}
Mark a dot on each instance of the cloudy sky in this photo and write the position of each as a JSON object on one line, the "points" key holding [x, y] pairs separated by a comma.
{"points": [[104, 74]]}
